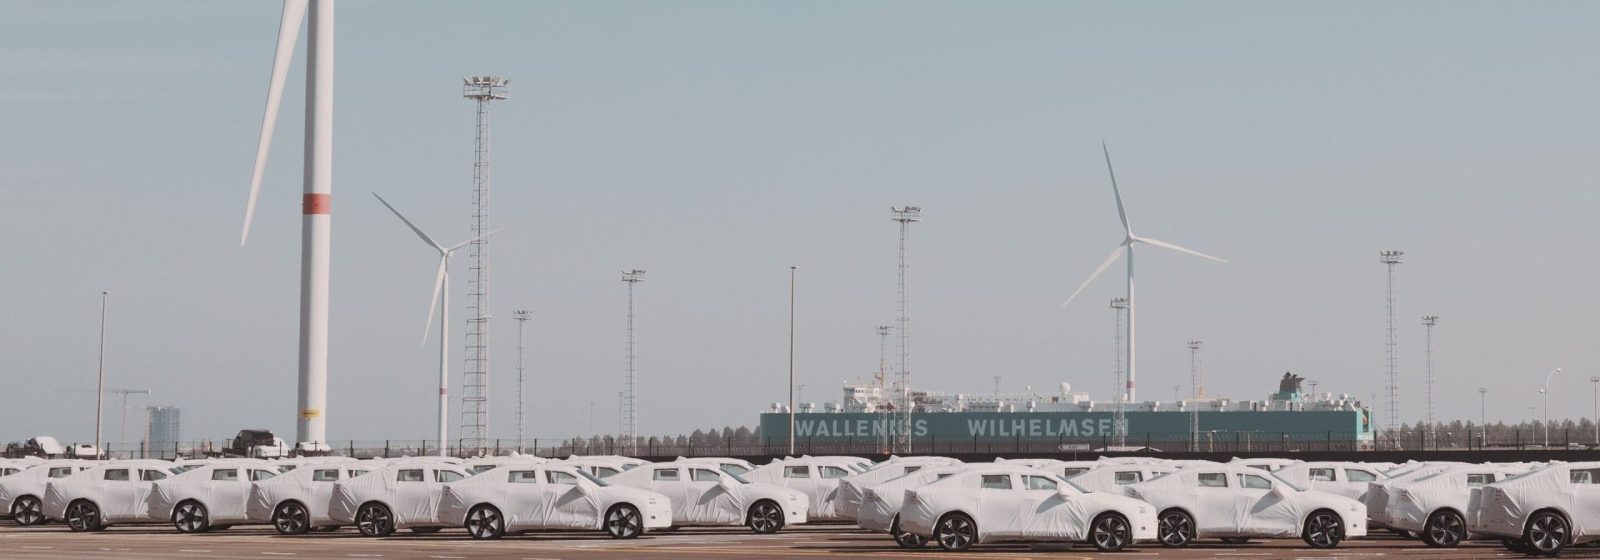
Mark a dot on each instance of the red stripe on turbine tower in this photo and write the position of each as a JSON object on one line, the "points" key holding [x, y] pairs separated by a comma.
{"points": [[317, 204]]}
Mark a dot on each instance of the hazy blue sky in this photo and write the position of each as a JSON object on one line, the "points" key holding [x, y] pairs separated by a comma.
{"points": [[714, 144]]}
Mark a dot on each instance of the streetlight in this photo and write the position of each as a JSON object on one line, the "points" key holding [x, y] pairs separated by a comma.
{"points": [[1483, 421], [1596, 382], [1546, 393]]}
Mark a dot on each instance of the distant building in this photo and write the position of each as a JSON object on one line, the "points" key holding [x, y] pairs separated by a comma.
{"points": [[165, 429]]}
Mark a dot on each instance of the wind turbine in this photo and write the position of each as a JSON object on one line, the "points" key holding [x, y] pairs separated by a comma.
{"points": [[441, 285], [315, 223], [1127, 247]]}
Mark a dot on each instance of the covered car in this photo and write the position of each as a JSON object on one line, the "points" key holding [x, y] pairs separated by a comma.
{"points": [[997, 503], [602, 466], [105, 494], [701, 494], [477, 465], [209, 497], [22, 493], [848, 498], [1543, 512], [1350, 480], [1116, 478], [400, 495], [519, 498], [297, 501], [1238, 502], [817, 477], [1435, 506], [1269, 464], [879, 511]]}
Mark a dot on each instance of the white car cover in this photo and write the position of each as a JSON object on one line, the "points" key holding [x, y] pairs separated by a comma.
{"points": [[703, 495], [1269, 464], [1010, 503], [602, 466], [28, 486], [817, 477], [1350, 480], [1377, 497], [1503, 509], [880, 503], [848, 497], [117, 490], [1063, 469], [477, 465], [413, 502], [309, 485], [220, 489], [1241, 501], [1115, 478], [531, 497], [1407, 505]]}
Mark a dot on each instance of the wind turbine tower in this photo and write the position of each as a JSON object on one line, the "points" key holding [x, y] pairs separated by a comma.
{"points": [[482, 90], [1119, 424], [1429, 321], [522, 316], [630, 399], [905, 216], [1392, 383]]}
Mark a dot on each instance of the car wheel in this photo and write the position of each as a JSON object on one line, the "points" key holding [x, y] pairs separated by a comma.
{"points": [[1514, 545], [291, 518], [766, 518], [27, 510], [624, 522], [1235, 540], [1110, 532], [1324, 529], [1175, 529], [1547, 533], [485, 522], [375, 520], [955, 532], [1444, 529], [191, 517], [83, 515], [905, 539]]}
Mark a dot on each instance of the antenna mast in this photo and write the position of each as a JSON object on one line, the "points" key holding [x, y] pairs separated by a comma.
{"points": [[905, 216], [482, 90]]}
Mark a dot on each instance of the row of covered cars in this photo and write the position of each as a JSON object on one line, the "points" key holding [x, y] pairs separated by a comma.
{"points": [[1110, 504]]}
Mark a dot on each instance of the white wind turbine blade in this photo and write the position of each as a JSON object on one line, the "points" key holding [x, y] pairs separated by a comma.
{"points": [[294, 12], [424, 236], [1103, 266], [438, 285], [469, 241], [1121, 212], [1165, 245]]}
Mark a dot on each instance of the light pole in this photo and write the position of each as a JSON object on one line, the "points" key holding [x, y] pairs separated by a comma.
{"points": [[1483, 421], [791, 359], [1596, 382], [1545, 392], [100, 394]]}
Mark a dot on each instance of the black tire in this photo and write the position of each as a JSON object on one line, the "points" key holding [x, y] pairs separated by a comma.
{"points": [[1547, 534], [1235, 540], [84, 516], [1175, 529], [485, 522], [291, 518], [375, 520], [425, 530], [955, 532], [191, 517], [904, 539], [1514, 545], [1444, 529], [765, 517], [624, 522], [1323, 529], [326, 529], [1110, 532], [27, 510]]}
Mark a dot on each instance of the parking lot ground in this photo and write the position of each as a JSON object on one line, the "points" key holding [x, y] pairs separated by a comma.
{"points": [[54, 542]]}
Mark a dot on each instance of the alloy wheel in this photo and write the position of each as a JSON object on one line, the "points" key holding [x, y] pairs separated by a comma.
{"points": [[83, 516], [955, 532], [190, 517], [1111, 533], [766, 518], [27, 511], [1546, 533], [624, 522], [485, 522], [1444, 529], [1324, 530], [1175, 529], [374, 520], [291, 519]]}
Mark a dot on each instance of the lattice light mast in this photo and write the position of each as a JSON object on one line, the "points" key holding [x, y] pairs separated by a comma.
{"points": [[1199, 393], [522, 316], [884, 412], [1392, 383], [482, 90], [905, 216], [1119, 399], [1429, 434], [630, 398]]}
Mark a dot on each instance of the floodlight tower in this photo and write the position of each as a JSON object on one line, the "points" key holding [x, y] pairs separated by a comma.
{"points": [[1119, 424], [1392, 384], [630, 399], [883, 374], [482, 90], [522, 316], [905, 216], [1199, 392], [1429, 435]]}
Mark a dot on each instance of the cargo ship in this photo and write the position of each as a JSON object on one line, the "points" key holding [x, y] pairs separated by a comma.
{"points": [[1072, 419]]}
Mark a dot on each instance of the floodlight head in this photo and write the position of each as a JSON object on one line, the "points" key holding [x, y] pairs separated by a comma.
{"points": [[1391, 257], [1430, 320], [634, 275], [522, 314], [906, 214]]}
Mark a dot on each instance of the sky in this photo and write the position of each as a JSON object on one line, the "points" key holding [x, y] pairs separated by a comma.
{"points": [[716, 144]]}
